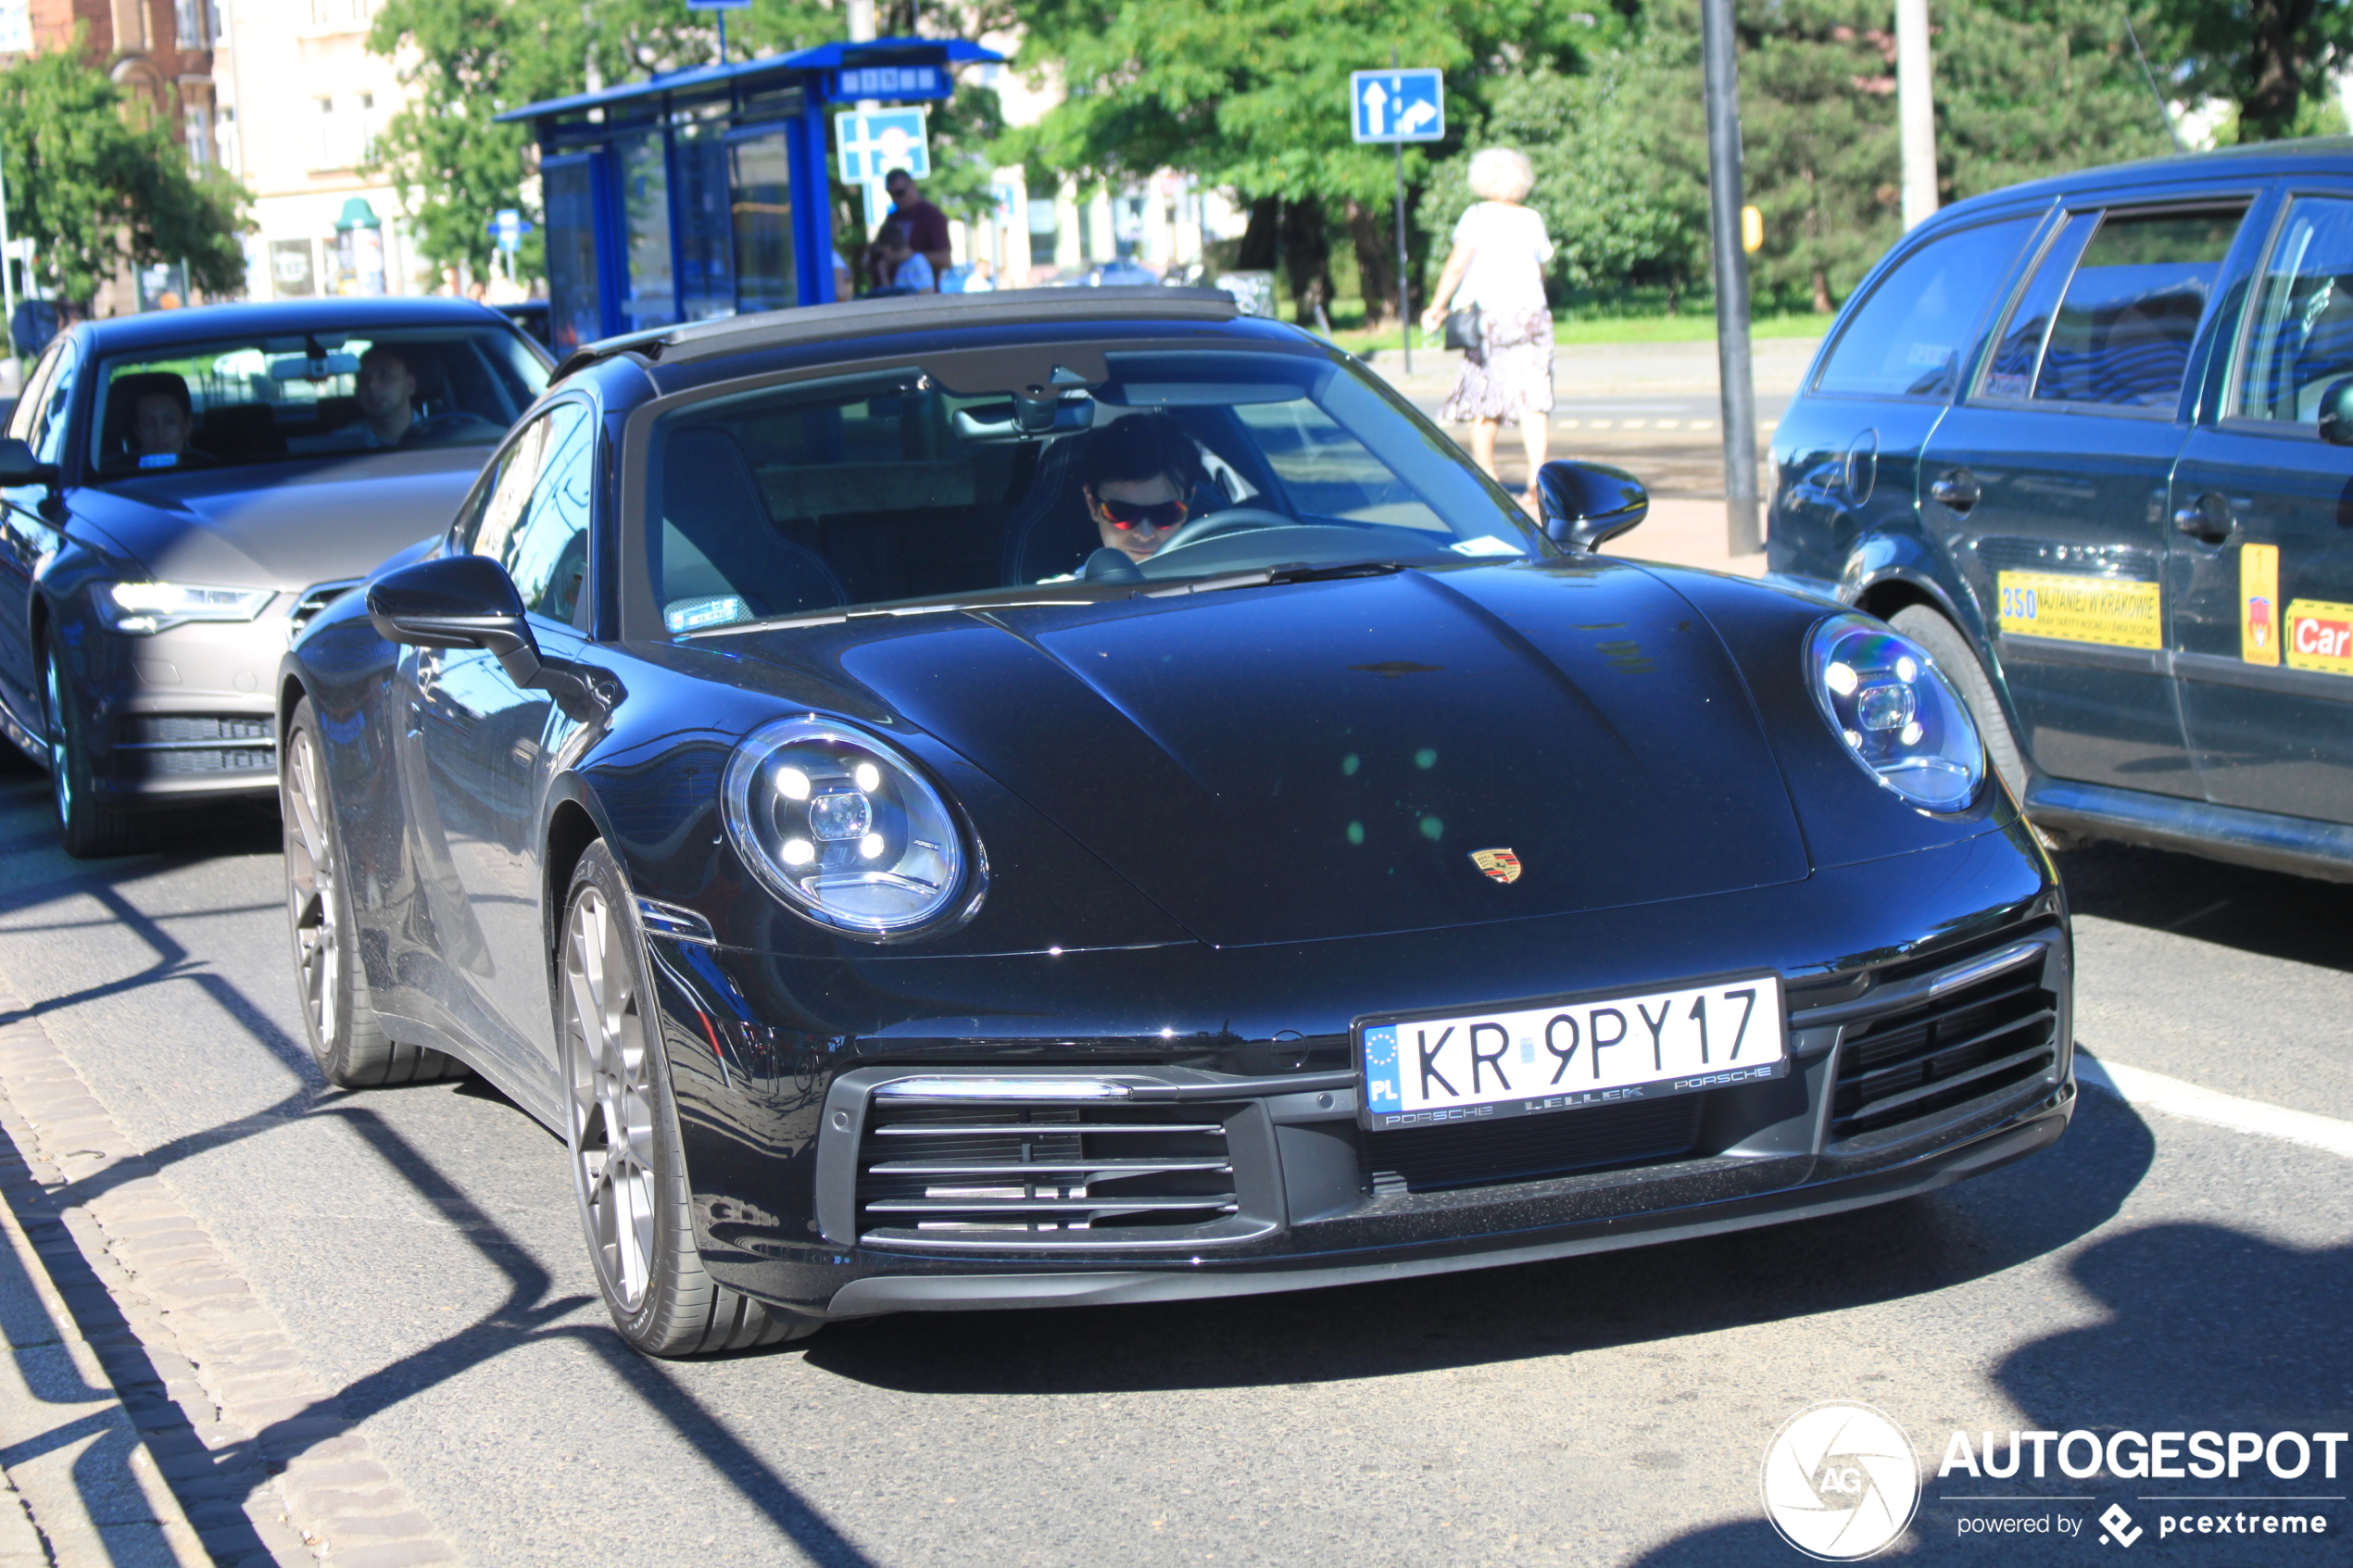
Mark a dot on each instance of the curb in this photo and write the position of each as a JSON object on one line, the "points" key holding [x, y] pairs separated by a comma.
{"points": [[81, 1486], [254, 1447]]}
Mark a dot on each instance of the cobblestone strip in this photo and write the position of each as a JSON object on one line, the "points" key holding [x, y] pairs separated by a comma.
{"points": [[254, 1446]]}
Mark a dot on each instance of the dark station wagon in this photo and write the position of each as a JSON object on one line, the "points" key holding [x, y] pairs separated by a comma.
{"points": [[2087, 441]]}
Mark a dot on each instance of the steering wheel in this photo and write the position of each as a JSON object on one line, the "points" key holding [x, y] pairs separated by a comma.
{"points": [[1217, 525]]}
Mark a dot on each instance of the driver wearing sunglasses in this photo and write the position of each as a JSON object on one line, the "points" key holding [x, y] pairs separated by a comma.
{"points": [[1136, 477]]}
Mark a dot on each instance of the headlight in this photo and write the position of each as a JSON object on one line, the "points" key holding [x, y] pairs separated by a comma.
{"points": [[847, 831], [1895, 712], [141, 609]]}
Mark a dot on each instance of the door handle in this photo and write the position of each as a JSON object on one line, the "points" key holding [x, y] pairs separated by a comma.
{"points": [[2207, 520], [1955, 491]]}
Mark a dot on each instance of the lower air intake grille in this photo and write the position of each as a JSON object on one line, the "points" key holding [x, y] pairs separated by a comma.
{"points": [[926, 1173], [1927, 1058], [192, 730], [1527, 1148]]}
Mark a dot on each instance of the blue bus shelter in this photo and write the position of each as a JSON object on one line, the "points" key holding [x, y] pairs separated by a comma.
{"points": [[707, 192]]}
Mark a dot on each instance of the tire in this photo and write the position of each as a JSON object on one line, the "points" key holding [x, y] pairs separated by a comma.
{"points": [[88, 829], [621, 1131], [1956, 659], [347, 1038]]}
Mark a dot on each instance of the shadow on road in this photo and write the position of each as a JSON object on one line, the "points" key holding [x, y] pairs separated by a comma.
{"points": [[2267, 913]]}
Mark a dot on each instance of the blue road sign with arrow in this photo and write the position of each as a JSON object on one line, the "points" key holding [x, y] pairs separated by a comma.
{"points": [[1398, 106]]}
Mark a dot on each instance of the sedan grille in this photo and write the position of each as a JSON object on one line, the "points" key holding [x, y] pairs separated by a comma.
{"points": [[923, 1171], [1527, 1149], [155, 745], [1981, 1038]]}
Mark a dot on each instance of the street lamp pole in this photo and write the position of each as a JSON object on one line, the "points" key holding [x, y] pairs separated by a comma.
{"points": [[7, 283], [1718, 67], [1916, 110]]}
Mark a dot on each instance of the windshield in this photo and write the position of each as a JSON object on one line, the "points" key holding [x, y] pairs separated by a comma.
{"points": [[895, 488], [304, 395]]}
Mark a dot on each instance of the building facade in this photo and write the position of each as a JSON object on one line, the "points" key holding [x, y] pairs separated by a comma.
{"points": [[302, 101]]}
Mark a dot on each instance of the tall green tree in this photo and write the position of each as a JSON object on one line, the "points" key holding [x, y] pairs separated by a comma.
{"points": [[1251, 95], [95, 191], [2276, 59]]}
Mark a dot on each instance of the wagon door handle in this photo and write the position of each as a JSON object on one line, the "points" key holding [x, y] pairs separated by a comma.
{"points": [[2207, 520], [1955, 491]]}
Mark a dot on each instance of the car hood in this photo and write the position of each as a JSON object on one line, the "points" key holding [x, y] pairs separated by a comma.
{"points": [[281, 525], [1329, 759]]}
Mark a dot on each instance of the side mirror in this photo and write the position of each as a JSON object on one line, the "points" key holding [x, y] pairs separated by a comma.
{"points": [[18, 466], [456, 602], [1585, 505], [2337, 413]]}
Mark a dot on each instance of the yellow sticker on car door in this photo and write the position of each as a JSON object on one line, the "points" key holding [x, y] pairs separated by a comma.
{"points": [[2079, 608], [2259, 604], [2320, 637]]}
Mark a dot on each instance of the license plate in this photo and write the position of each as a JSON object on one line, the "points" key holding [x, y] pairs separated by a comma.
{"points": [[1596, 1049]]}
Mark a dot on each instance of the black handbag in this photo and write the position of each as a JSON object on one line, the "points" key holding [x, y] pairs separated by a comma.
{"points": [[1462, 329]]}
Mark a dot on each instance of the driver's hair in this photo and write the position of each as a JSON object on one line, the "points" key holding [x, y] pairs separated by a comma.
{"points": [[1139, 446]]}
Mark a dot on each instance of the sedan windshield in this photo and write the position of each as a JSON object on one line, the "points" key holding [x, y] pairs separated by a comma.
{"points": [[304, 395], [1168, 466]]}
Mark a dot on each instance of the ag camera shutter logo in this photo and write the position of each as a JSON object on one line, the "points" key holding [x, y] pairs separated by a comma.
{"points": [[1841, 1481]]}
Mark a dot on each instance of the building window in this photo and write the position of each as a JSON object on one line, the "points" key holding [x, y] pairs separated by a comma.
{"points": [[198, 121], [342, 16], [192, 22]]}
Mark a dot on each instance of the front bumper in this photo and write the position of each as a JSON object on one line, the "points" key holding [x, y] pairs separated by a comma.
{"points": [[1930, 1022]]}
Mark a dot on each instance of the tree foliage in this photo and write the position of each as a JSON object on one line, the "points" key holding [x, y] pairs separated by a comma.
{"points": [[2023, 88], [1251, 95], [96, 190], [2275, 61]]}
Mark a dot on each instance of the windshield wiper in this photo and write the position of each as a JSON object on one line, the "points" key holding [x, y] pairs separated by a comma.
{"points": [[1296, 572]]}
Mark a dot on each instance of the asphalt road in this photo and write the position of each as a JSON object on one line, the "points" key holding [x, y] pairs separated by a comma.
{"points": [[2149, 1273]]}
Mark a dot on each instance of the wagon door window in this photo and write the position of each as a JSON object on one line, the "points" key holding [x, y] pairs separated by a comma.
{"points": [[2123, 334]]}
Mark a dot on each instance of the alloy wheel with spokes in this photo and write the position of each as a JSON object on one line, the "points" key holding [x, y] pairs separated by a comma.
{"points": [[611, 1101], [87, 828], [338, 1012], [620, 1129], [311, 903]]}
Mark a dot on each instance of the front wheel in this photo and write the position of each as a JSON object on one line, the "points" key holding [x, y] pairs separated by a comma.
{"points": [[621, 1126], [89, 830]]}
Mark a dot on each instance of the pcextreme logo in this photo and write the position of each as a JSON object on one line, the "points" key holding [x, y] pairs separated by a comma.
{"points": [[1841, 1481]]}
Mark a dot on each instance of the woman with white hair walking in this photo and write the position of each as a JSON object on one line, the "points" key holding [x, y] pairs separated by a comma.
{"points": [[1497, 268]]}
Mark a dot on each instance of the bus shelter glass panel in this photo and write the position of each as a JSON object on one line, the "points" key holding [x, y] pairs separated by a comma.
{"points": [[573, 312], [706, 250], [760, 193], [649, 294]]}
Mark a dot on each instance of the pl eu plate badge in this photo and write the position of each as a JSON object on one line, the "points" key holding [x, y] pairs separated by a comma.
{"points": [[1501, 864], [1383, 1090]]}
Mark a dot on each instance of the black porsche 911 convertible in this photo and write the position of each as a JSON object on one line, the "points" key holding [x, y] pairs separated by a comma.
{"points": [[1082, 796]]}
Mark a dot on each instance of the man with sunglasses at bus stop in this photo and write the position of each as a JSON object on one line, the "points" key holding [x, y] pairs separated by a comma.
{"points": [[1141, 476]]}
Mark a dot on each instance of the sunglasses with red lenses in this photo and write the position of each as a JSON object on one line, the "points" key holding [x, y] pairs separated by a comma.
{"points": [[1125, 515]]}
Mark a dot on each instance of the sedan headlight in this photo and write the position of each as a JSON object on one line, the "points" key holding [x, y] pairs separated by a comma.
{"points": [[1894, 711], [848, 831], [141, 609]]}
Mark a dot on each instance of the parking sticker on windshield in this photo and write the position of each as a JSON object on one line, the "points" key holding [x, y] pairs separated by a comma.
{"points": [[2082, 610], [2259, 604], [2320, 637]]}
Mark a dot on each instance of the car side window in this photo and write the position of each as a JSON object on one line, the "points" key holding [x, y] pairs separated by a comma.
{"points": [[1908, 337], [2302, 338], [46, 436], [535, 524], [2121, 336], [36, 386]]}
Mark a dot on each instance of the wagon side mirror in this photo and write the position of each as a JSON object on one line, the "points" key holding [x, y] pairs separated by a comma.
{"points": [[2337, 413], [18, 466], [1585, 505], [456, 602]]}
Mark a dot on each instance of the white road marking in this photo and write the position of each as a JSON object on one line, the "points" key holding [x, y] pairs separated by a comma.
{"points": [[2154, 1091]]}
